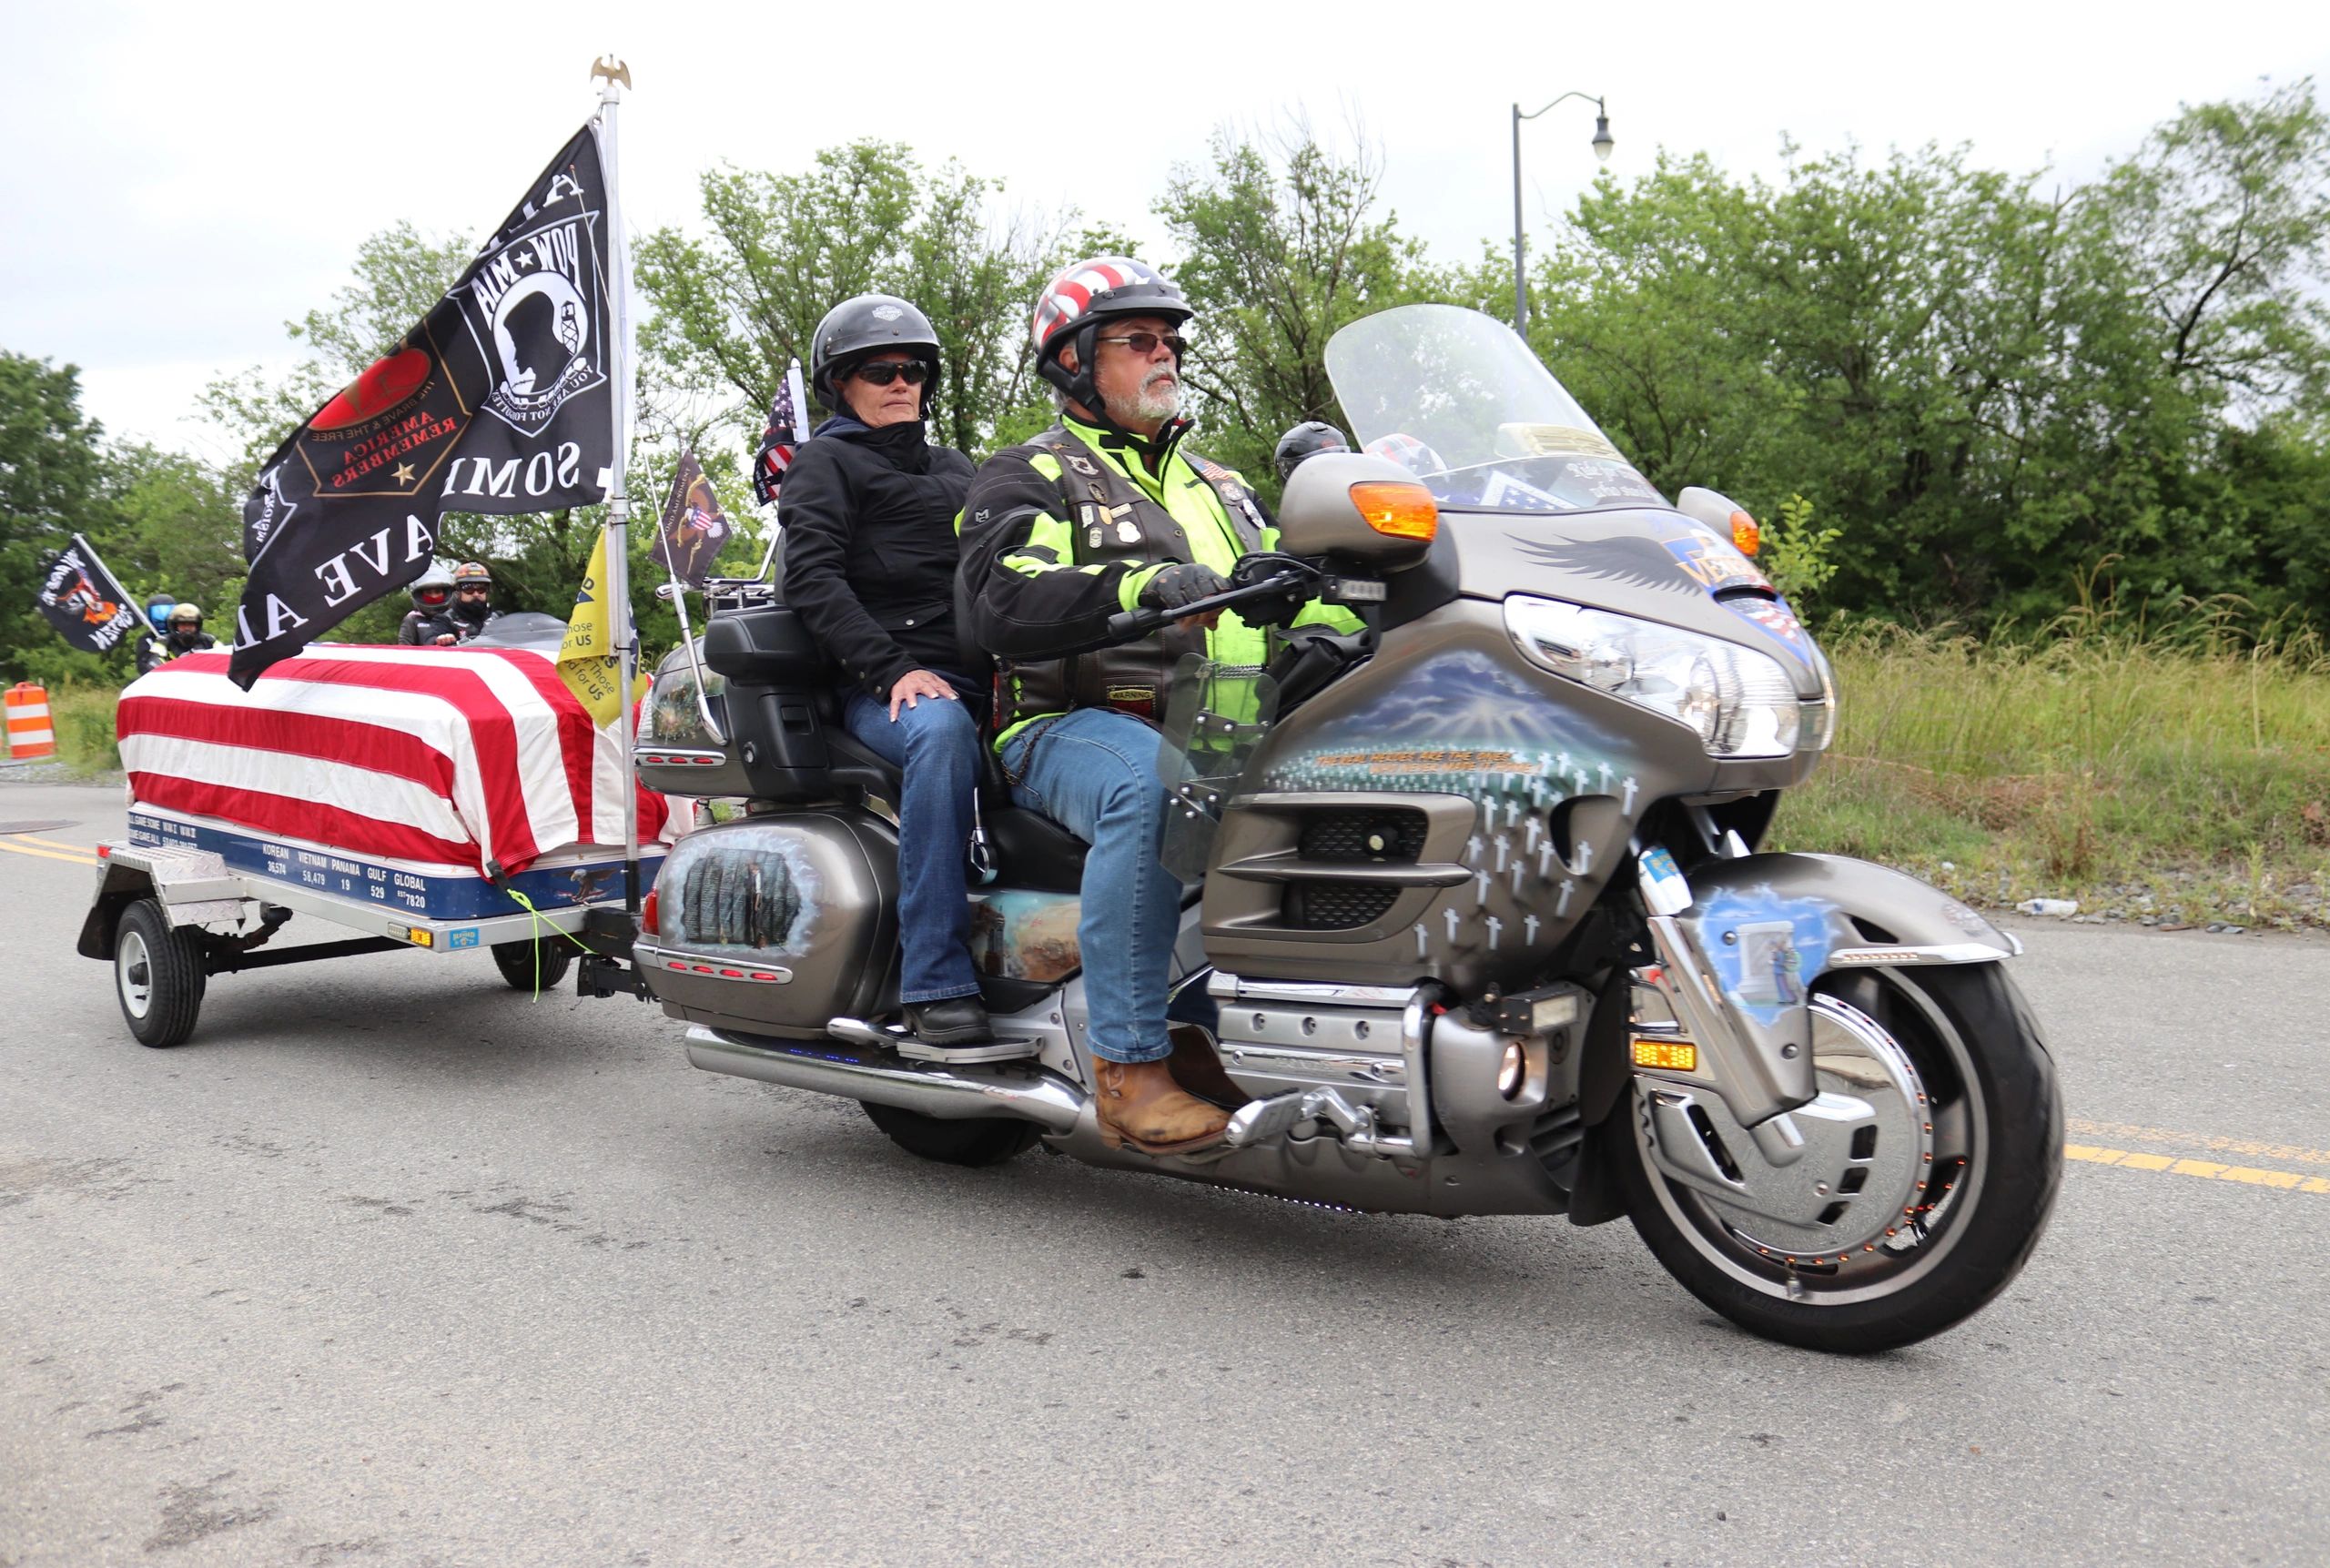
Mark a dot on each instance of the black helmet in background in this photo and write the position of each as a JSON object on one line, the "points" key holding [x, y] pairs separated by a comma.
{"points": [[869, 324], [1306, 440]]}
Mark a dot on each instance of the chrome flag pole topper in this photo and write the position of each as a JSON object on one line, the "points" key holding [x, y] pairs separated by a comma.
{"points": [[617, 75]]}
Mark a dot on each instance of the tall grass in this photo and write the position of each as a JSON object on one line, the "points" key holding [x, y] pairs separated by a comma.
{"points": [[2100, 759], [82, 717]]}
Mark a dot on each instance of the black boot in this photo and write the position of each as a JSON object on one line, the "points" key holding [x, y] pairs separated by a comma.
{"points": [[952, 1021]]}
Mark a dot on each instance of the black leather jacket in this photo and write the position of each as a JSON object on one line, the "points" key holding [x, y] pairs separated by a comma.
{"points": [[870, 551], [421, 628], [154, 651]]}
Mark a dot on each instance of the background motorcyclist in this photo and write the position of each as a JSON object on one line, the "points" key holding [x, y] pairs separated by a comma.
{"points": [[182, 633], [430, 624], [1104, 511], [1307, 439], [473, 608], [149, 653]]}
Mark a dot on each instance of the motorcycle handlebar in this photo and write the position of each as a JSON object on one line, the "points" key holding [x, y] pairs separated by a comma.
{"points": [[1131, 626]]}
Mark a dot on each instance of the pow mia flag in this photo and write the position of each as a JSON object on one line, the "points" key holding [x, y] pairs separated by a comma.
{"points": [[80, 598], [500, 400]]}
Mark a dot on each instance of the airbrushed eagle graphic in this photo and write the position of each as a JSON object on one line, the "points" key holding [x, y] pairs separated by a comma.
{"points": [[1627, 558]]}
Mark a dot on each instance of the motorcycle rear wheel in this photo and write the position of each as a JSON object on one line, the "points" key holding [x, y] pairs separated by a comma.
{"points": [[973, 1141], [1997, 1134]]}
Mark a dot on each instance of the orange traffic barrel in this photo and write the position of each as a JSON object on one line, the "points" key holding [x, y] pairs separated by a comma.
{"points": [[30, 733]]}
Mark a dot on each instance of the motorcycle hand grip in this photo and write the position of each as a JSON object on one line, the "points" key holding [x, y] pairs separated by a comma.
{"points": [[1129, 625]]}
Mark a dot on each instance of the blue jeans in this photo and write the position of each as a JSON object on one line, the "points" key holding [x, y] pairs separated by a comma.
{"points": [[936, 742], [1094, 772]]}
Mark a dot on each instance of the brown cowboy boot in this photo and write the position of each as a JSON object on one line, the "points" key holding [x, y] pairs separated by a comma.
{"points": [[1139, 1103]]}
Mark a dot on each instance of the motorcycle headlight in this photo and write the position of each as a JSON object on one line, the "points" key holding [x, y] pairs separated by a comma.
{"points": [[1740, 702]]}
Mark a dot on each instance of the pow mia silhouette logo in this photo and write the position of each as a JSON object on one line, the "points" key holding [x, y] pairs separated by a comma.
{"points": [[536, 306]]}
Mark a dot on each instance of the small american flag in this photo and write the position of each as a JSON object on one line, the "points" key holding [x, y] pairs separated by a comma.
{"points": [[778, 441]]}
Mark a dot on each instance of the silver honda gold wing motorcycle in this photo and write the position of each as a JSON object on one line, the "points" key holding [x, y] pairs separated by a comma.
{"points": [[1476, 922]]}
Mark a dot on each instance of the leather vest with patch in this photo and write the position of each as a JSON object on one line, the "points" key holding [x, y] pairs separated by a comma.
{"points": [[1113, 518]]}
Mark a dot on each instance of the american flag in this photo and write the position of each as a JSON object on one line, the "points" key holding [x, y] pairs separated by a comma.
{"points": [[778, 441]]}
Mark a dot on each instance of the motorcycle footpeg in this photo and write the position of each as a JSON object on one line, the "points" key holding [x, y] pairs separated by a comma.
{"points": [[894, 1038], [1261, 1120]]}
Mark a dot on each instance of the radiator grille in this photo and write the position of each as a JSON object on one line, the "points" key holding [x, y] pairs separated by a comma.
{"points": [[1391, 835], [1336, 906]]}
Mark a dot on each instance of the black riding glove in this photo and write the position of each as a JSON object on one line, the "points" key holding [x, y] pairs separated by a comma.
{"points": [[1274, 609], [1184, 583]]}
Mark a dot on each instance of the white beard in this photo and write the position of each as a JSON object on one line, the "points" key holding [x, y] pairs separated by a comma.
{"points": [[1158, 400]]}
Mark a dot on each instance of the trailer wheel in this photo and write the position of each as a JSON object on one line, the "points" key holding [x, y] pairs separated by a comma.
{"points": [[157, 974], [516, 961]]}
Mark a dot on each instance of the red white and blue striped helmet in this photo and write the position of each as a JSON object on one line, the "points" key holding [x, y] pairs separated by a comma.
{"points": [[1095, 289]]}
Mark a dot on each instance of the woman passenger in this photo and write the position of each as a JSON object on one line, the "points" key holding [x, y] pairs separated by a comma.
{"points": [[868, 511]]}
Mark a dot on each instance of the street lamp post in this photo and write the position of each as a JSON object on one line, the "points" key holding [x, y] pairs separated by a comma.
{"points": [[1602, 145]]}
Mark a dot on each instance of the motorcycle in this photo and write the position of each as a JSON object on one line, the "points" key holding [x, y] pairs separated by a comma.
{"points": [[1477, 923]]}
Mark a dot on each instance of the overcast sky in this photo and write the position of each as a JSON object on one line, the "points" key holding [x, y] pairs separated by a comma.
{"points": [[181, 178]]}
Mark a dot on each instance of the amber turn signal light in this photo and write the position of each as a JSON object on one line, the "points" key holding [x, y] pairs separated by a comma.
{"points": [[1744, 533], [1394, 507], [1674, 1056]]}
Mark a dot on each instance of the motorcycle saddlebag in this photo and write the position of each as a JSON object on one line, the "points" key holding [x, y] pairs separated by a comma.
{"points": [[775, 924]]}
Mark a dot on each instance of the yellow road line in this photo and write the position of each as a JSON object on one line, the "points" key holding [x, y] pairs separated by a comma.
{"points": [[52, 844], [2248, 1174], [45, 855], [2213, 1143]]}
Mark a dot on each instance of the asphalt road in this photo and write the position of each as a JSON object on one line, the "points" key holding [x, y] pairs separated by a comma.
{"points": [[392, 1265]]}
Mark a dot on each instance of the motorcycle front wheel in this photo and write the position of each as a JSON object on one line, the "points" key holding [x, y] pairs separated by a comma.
{"points": [[1943, 1152]]}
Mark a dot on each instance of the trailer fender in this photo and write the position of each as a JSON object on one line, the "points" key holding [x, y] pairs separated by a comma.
{"points": [[119, 885]]}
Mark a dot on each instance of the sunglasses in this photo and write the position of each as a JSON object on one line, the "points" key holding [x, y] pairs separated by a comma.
{"points": [[914, 373], [466, 589], [1145, 343]]}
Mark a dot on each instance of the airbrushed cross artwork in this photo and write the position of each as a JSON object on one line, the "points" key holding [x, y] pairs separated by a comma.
{"points": [[1462, 724]]}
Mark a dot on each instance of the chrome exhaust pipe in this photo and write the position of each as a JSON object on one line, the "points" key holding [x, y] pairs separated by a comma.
{"points": [[863, 1073]]}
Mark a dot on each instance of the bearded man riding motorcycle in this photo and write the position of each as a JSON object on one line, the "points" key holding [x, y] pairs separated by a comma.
{"points": [[1103, 512]]}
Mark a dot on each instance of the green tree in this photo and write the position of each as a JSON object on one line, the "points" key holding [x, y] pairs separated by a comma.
{"points": [[52, 485], [1277, 245], [1994, 386], [733, 305]]}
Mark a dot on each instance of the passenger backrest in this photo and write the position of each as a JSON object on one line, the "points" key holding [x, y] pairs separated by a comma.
{"points": [[780, 699]]}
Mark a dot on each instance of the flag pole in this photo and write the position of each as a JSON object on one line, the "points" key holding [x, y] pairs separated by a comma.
{"points": [[617, 533]]}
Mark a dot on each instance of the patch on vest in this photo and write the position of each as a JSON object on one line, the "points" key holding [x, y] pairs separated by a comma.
{"points": [[1128, 532], [1137, 700]]}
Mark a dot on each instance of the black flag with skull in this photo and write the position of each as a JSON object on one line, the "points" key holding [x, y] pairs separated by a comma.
{"points": [[500, 400]]}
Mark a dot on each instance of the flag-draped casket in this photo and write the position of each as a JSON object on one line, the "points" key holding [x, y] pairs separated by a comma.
{"points": [[471, 758]]}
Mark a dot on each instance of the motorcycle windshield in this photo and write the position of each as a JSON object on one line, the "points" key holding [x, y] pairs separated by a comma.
{"points": [[1458, 399], [1215, 719]]}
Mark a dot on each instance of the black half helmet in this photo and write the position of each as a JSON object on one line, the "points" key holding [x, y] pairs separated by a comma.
{"points": [[1306, 440], [867, 325]]}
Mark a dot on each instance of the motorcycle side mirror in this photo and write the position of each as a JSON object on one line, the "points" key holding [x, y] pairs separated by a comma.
{"points": [[1357, 507]]}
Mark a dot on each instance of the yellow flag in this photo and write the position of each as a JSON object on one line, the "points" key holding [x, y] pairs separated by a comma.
{"points": [[587, 661]]}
